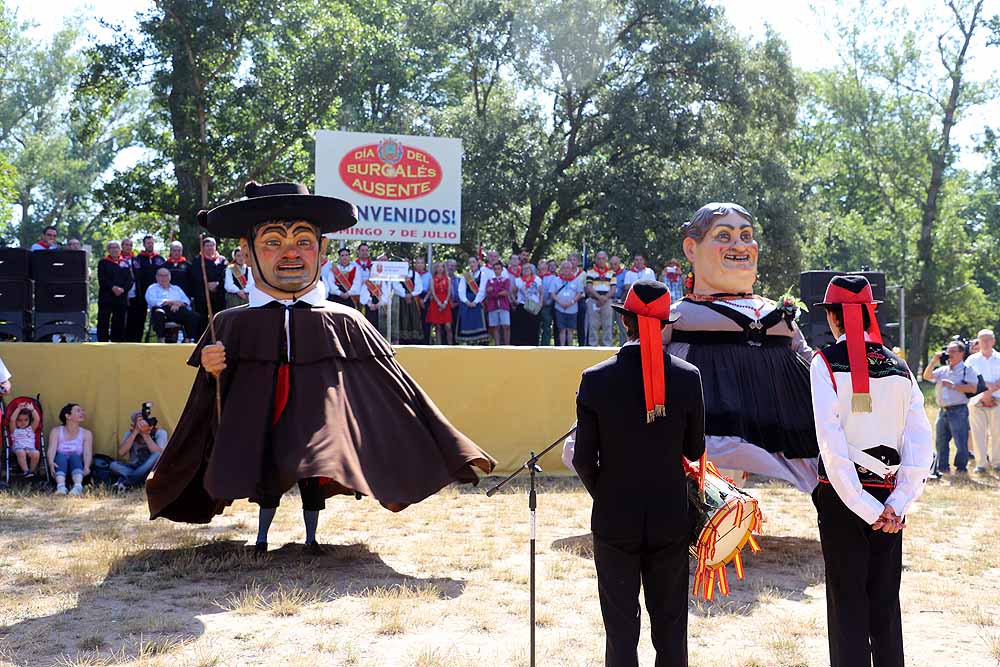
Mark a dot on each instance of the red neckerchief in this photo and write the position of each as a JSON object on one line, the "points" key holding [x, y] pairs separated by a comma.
{"points": [[420, 273], [672, 277], [516, 274], [150, 255], [215, 259], [542, 274], [366, 265], [128, 255], [601, 272], [527, 281], [619, 271], [179, 260], [111, 259], [578, 272], [42, 243]]}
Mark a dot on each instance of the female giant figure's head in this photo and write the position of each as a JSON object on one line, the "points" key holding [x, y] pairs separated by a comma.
{"points": [[720, 245]]}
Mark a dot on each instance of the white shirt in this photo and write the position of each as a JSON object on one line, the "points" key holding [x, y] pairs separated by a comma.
{"points": [[988, 367], [156, 295], [4, 373], [632, 276], [230, 282], [418, 286], [329, 278], [360, 287], [897, 420]]}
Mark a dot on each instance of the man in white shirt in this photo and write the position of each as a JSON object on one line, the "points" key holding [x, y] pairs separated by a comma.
{"points": [[954, 383], [169, 303], [875, 456], [639, 271], [984, 409]]}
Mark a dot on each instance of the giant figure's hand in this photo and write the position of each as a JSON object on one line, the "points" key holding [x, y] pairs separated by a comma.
{"points": [[213, 358]]}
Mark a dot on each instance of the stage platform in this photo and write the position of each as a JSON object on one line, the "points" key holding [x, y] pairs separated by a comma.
{"points": [[509, 400]]}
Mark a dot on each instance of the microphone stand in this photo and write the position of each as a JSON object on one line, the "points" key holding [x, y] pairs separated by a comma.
{"points": [[531, 465]]}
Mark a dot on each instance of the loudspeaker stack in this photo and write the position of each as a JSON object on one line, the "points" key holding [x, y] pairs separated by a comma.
{"points": [[60, 293], [16, 294], [812, 287]]}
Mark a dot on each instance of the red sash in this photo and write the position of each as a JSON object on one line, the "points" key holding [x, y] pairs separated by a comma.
{"points": [[373, 289], [471, 282], [345, 279], [408, 284]]}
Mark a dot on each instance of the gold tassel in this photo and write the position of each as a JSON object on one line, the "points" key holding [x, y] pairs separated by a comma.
{"points": [[650, 416], [861, 403], [660, 411]]}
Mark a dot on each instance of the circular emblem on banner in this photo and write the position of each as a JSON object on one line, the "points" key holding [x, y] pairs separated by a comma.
{"points": [[390, 170]]}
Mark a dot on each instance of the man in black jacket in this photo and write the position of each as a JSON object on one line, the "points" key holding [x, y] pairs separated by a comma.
{"points": [[637, 414], [114, 279], [144, 266]]}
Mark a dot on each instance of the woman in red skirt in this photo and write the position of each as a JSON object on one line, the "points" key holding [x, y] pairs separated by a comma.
{"points": [[439, 304]]}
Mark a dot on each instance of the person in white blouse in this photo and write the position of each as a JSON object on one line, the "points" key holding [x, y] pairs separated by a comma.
{"points": [[526, 316], [984, 409], [239, 279], [875, 458]]}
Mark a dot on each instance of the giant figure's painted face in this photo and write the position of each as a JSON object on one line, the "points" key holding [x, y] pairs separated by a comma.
{"points": [[286, 255], [725, 260]]}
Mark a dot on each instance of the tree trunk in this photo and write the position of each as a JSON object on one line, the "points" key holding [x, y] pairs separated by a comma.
{"points": [[183, 102], [924, 290]]}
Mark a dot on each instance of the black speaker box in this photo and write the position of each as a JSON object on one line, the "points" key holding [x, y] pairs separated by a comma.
{"points": [[15, 325], [47, 324], [812, 287], [14, 263], [59, 266], [15, 294], [60, 297]]}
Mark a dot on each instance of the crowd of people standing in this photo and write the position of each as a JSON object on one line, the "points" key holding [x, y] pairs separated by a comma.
{"points": [[497, 301], [491, 300]]}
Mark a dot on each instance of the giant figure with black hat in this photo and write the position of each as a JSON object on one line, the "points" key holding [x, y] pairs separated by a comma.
{"points": [[638, 413], [311, 394], [875, 455]]}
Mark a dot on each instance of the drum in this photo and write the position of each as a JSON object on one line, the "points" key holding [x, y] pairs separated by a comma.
{"points": [[724, 523]]}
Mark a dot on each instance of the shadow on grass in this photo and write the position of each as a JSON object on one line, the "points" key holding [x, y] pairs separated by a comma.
{"points": [[783, 569], [151, 600]]}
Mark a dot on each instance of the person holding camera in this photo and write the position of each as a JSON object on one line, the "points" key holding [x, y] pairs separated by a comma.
{"points": [[954, 383], [143, 444]]}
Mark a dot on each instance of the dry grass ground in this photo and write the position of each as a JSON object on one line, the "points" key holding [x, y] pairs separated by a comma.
{"points": [[91, 582]]}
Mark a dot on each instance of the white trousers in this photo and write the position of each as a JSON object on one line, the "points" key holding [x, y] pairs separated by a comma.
{"points": [[984, 424], [600, 321]]}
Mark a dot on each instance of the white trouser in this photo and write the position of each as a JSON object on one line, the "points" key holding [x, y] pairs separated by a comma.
{"points": [[599, 324], [985, 423]]}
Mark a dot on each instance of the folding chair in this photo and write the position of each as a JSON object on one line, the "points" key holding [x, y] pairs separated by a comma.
{"points": [[11, 469]]}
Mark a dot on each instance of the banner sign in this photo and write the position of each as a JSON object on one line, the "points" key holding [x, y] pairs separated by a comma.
{"points": [[390, 271], [406, 188]]}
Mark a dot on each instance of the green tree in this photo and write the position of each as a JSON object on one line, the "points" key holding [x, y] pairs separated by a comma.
{"points": [[875, 155], [59, 146], [616, 139]]}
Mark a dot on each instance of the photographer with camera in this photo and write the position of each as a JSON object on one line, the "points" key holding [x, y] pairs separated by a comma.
{"points": [[143, 443], [954, 383]]}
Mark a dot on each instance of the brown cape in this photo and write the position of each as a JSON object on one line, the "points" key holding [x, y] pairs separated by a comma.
{"points": [[353, 416]]}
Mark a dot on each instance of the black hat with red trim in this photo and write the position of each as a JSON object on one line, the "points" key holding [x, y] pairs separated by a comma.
{"points": [[852, 293], [277, 201], [649, 301]]}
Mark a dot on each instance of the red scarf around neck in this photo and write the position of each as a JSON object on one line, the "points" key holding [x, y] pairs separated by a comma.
{"points": [[179, 260]]}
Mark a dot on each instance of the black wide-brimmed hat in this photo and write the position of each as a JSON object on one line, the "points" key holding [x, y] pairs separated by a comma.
{"points": [[648, 298], [277, 201]]}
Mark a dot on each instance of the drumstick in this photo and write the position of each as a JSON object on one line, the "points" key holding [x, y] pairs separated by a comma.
{"points": [[211, 329]]}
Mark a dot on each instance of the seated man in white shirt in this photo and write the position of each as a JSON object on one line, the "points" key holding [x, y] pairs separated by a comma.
{"points": [[169, 303]]}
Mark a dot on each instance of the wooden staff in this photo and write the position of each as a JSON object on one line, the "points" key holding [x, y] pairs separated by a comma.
{"points": [[211, 328]]}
